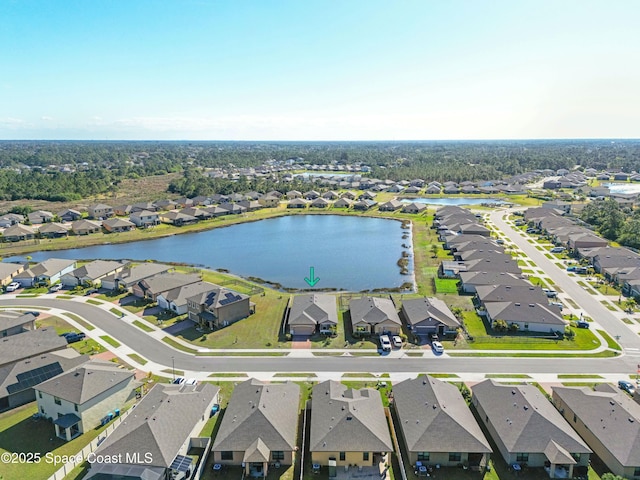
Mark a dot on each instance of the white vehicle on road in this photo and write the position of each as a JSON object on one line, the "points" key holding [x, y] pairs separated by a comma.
{"points": [[13, 286]]}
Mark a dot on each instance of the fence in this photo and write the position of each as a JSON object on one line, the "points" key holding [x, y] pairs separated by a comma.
{"points": [[80, 457], [201, 442]]}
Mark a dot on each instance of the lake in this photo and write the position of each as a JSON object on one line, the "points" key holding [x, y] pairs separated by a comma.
{"points": [[347, 252], [453, 200], [622, 187]]}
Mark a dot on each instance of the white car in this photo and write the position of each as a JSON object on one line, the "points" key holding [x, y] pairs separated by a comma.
{"points": [[55, 288], [13, 286], [397, 341], [437, 347], [191, 381], [385, 343]]}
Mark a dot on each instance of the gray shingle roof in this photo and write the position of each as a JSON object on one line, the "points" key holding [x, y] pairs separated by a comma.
{"points": [[168, 281], [7, 269], [373, 310], [47, 268], [607, 413], [29, 344], [96, 269], [428, 310], [524, 419], [160, 423], [434, 417], [524, 312], [313, 309], [263, 411], [510, 293], [9, 319], [491, 278], [133, 274], [347, 420], [179, 295], [85, 382]]}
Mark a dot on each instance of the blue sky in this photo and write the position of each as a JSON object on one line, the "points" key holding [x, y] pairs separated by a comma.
{"points": [[319, 70]]}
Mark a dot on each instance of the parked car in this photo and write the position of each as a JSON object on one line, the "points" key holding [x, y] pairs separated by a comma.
{"points": [[55, 288], [191, 381], [550, 293], [35, 313], [12, 287], [385, 343], [532, 230], [627, 386], [215, 409], [178, 381], [437, 347], [91, 291], [557, 250], [582, 324], [74, 337], [397, 341], [572, 268], [500, 241]]}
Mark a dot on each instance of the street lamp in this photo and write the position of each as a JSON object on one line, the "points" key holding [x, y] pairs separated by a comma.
{"points": [[173, 368]]}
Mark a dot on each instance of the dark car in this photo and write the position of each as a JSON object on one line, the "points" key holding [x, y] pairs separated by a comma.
{"points": [[627, 386], [34, 313], [91, 291], [75, 337], [582, 324]]}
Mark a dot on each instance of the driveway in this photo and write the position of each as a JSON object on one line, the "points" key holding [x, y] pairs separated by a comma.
{"points": [[587, 302]]}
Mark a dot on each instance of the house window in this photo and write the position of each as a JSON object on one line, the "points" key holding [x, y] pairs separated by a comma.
{"points": [[342, 456], [636, 472], [75, 407], [522, 457], [455, 457], [42, 410], [526, 326], [57, 401], [423, 456], [575, 418], [226, 455], [39, 394], [365, 456], [277, 455]]}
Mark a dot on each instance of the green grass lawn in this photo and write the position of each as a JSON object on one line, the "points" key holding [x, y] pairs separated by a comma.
{"points": [[137, 358], [142, 326], [446, 285], [77, 319], [611, 343], [20, 433], [111, 341], [87, 346]]}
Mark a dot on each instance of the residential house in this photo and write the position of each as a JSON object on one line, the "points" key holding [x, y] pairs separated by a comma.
{"points": [[429, 315], [10, 219], [233, 208], [91, 274], [8, 271], [348, 426], [331, 195], [69, 215], [364, 204], [269, 201], [117, 225], [132, 275], [123, 210], [527, 429], [29, 344], [79, 399], [470, 281], [349, 195], [292, 194], [176, 299], [26, 369], [13, 323], [608, 420], [259, 428], [297, 203], [390, 206], [528, 317], [85, 227], [373, 315], [250, 205], [320, 203], [144, 218], [154, 440], [343, 202], [510, 293], [164, 204], [437, 426], [219, 307], [585, 240], [52, 230], [47, 272], [177, 218], [149, 288], [414, 207], [367, 196], [308, 314], [100, 211], [16, 233], [311, 195], [40, 216]]}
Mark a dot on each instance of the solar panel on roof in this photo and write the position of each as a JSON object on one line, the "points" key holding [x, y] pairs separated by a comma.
{"points": [[181, 463], [34, 377]]}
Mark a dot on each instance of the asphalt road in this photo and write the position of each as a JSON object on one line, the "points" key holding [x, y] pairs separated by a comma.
{"points": [[591, 305], [161, 353]]}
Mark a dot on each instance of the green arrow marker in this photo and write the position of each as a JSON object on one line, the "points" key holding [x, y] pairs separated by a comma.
{"points": [[311, 280]]}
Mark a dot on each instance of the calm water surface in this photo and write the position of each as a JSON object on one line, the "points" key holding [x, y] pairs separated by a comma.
{"points": [[352, 253], [622, 187]]}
